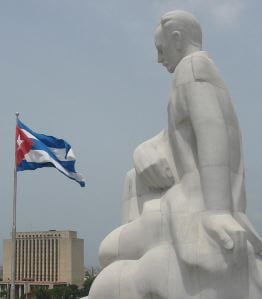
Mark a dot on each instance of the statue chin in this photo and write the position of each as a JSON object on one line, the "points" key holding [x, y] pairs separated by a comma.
{"points": [[171, 69], [185, 233]]}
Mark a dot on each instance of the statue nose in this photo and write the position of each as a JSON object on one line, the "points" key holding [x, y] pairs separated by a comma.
{"points": [[160, 59]]}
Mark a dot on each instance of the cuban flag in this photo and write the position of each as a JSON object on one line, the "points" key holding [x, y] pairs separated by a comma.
{"points": [[35, 150]]}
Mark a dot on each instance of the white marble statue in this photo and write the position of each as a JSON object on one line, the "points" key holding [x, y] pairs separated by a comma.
{"points": [[185, 232]]}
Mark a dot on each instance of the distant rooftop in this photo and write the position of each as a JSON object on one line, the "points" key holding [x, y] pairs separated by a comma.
{"points": [[50, 233]]}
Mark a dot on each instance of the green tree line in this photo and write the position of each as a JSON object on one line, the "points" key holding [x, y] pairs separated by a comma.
{"points": [[58, 292]]}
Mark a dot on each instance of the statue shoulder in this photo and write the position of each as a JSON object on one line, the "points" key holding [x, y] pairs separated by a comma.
{"points": [[183, 72], [198, 67], [205, 70]]}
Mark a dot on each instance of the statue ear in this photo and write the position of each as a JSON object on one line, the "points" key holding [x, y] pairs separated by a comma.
{"points": [[177, 39]]}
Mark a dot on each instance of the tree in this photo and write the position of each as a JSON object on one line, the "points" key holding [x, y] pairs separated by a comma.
{"points": [[3, 294], [66, 292], [42, 293], [87, 285]]}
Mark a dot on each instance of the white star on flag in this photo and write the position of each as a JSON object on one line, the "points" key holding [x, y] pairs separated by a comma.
{"points": [[19, 141]]}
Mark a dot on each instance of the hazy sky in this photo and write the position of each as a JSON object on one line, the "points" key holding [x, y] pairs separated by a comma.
{"points": [[86, 71]]}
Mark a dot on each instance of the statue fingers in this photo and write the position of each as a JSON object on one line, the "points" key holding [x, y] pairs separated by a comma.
{"points": [[166, 173], [240, 247], [151, 178], [157, 176], [225, 240], [146, 178]]}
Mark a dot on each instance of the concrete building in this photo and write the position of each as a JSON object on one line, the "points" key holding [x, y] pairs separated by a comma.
{"points": [[46, 258]]}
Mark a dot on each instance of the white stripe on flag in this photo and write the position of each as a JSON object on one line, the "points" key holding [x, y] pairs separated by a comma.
{"points": [[39, 156], [29, 135], [60, 153]]}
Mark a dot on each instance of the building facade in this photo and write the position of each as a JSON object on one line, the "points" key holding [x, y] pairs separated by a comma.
{"points": [[46, 258]]}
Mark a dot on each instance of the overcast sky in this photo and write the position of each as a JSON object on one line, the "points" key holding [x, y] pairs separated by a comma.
{"points": [[86, 71]]}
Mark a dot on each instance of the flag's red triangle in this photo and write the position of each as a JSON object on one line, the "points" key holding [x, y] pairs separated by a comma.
{"points": [[23, 145]]}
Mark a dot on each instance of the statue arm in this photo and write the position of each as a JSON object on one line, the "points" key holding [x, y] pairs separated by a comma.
{"points": [[210, 129], [212, 143]]}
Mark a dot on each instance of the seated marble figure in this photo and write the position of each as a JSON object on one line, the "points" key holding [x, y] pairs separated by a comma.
{"points": [[185, 233]]}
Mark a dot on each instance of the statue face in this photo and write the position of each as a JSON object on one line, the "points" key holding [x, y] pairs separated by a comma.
{"points": [[168, 48]]}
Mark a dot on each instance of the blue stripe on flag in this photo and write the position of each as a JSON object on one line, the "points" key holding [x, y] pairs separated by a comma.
{"points": [[68, 165], [50, 141], [24, 165], [46, 144]]}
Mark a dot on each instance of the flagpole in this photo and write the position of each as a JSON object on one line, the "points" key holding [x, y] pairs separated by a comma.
{"points": [[13, 257]]}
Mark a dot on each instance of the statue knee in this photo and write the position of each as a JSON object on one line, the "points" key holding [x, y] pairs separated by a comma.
{"points": [[124, 243], [106, 285], [109, 248]]}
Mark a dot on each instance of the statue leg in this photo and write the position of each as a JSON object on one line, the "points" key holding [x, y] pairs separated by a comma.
{"points": [[116, 282], [140, 279], [158, 274], [255, 274]]}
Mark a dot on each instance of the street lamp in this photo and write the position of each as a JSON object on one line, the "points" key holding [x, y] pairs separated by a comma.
{"points": [[27, 280], [8, 289]]}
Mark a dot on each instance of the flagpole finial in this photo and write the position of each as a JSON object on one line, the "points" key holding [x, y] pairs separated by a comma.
{"points": [[17, 114]]}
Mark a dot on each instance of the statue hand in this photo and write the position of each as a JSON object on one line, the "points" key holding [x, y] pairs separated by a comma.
{"points": [[153, 168], [226, 231], [252, 236], [152, 165], [157, 174]]}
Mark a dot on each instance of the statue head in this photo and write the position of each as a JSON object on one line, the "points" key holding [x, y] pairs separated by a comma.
{"points": [[178, 35]]}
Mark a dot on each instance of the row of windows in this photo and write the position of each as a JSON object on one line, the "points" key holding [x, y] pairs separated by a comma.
{"points": [[25, 245], [38, 236], [37, 262], [38, 277]]}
